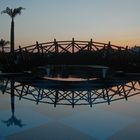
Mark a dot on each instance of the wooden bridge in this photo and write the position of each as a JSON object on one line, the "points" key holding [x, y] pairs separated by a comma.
{"points": [[71, 52], [73, 46]]}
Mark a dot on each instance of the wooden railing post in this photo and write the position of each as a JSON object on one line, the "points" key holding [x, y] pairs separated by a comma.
{"points": [[90, 45], [41, 49], [37, 46], [73, 43], [109, 44], [56, 46], [109, 47], [126, 48], [20, 50]]}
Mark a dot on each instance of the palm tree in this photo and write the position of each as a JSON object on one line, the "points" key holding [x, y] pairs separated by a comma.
{"points": [[12, 13], [3, 43], [13, 120]]}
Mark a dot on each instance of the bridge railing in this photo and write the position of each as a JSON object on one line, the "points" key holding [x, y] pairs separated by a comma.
{"points": [[72, 46]]}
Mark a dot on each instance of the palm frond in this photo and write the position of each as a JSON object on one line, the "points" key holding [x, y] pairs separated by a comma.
{"points": [[7, 11], [17, 11], [13, 12], [3, 43]]}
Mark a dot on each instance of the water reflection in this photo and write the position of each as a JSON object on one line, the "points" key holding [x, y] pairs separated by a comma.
{"points": [[72, 93], [13, 120], [49, 90]]}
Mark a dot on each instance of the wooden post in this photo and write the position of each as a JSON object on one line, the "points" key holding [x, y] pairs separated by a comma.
{"points": [[126, 48], [56, 46], [41, 49], [125, 94], [56, 98], [73, 99], [118, 91], [25, 54], [89, 98], [21, 93], [73, 42], [38, 96], [104, 51], [37, 46], [109, 47], [108, 99], [90, 45], [20, 50], [109, 44], [103, 91]]}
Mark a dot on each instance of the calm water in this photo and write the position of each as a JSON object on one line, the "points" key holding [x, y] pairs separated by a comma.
{"points": [[29, 118]]}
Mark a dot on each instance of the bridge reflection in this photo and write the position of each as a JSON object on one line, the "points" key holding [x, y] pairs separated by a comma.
{"points": [[88, 92], [71, 93]]}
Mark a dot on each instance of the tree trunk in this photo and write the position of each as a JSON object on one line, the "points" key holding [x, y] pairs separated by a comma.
{"points": [[12, 97], [12, 36]]}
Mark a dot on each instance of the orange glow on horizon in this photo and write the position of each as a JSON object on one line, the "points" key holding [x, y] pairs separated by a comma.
{"points": [[119, 42]]}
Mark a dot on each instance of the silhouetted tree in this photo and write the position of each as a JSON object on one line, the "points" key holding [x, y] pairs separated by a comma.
{"points": [[13, 120], [3, 43], [12, 13]]}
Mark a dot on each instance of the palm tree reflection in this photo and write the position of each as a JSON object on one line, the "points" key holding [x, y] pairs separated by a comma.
{"points": [[13, 120]]}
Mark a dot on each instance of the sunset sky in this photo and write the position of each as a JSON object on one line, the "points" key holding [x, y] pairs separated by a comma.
{"points": [[117, 21]]}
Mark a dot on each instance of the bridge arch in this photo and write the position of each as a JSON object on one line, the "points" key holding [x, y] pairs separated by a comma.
{"points": [[70, 46]]}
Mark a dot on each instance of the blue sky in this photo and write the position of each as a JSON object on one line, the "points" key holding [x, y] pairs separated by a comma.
{"points": [[117, 21]]}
